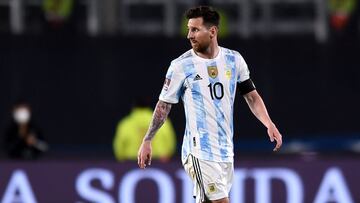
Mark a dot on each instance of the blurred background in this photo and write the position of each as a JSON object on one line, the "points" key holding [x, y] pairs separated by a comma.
{"points": [[81, 65]]}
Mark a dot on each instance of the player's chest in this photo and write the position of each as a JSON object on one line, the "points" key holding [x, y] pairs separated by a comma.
{"points": [[205, 76]]}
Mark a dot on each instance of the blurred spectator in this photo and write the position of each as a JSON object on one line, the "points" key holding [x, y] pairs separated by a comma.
{"points": [[23, 140], [57, 12], [343, 16], [131, 129]]}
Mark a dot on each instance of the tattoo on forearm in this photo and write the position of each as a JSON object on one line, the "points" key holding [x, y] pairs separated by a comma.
{"points": [[161, 112]]}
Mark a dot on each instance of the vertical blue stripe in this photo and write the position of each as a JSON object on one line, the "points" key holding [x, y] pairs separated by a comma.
{"points": [[230, 64], [220, 117], [187, 138], [189, 69]]}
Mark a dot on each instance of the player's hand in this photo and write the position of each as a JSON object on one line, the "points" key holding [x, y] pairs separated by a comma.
{"points": [[274, 134], [144, 154]]}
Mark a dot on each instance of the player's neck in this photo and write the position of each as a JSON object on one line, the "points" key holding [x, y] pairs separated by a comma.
{"points": [[211, 52]]}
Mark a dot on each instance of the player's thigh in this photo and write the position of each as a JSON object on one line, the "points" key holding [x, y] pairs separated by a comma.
{"points": [[216, 179], [224, 200]]}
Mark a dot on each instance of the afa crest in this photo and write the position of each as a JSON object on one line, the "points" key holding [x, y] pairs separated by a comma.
{"points": [[212, 188], [212, 71]]}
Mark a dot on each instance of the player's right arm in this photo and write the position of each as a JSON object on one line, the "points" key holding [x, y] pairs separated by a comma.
{"points": [[169, 95], [160, 114]]}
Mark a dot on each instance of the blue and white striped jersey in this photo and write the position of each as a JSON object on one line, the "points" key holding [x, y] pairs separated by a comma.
{"points": [[207, 88]]}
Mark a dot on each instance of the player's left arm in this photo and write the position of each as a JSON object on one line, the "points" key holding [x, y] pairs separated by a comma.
{"points": [[258, 108]]}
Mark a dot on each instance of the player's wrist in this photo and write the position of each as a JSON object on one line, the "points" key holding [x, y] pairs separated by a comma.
{"points": [[147, 139], [270, 124]]}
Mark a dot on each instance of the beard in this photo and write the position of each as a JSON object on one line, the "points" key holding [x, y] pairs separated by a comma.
{"points": [[200, 47]]}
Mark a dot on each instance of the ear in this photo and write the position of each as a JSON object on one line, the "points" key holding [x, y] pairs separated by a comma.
{"points": [[213, 31]]}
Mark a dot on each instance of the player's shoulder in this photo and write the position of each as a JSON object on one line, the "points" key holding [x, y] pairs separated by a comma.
{"points": [[231, 52], [182, 58]]}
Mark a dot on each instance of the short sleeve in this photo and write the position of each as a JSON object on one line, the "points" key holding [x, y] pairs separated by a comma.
{"points": [[173, 84], [243, 71], [246, 85]]}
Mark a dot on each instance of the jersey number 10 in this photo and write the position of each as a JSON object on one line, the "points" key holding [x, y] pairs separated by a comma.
{"points": [[216, 90]]}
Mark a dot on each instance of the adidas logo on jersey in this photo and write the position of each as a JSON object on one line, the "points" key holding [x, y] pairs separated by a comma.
{"points": [[197, 77]]}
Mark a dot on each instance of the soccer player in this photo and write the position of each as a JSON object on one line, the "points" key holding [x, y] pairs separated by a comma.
{"points": [[206, 78]]}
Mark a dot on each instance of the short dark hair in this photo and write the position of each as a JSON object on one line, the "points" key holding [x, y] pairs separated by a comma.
{"points": [[209, 15]]}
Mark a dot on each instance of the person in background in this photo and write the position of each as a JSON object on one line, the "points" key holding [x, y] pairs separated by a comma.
{"points": [[23, 140], [58, 14], [343, 17], [130, 132]]}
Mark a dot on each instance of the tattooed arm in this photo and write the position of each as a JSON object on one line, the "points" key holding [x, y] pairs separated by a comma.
{"points": [[161, 112]]}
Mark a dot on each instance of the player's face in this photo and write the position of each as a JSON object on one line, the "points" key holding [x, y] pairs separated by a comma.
{"points": [[199, 35]]}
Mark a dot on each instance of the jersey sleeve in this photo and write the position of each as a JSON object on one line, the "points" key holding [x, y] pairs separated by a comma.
{"points": [[173, 84], [243, 70], [246, 85]]}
